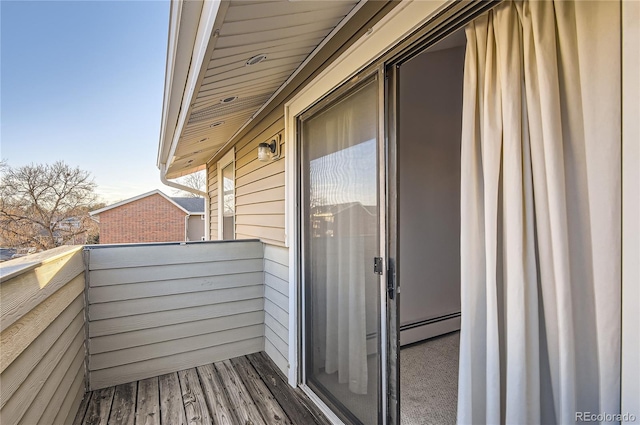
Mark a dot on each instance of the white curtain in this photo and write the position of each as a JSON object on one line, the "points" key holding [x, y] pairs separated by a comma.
{"points": [[343, 194], [346, 345], [342, 262], [540, 235]]}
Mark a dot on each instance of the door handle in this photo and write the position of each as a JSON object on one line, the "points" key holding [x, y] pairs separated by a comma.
{"points": [[378, 265], [391, 280]]}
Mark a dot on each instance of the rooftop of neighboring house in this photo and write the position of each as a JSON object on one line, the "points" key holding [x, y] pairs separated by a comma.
{"points": [[190, 205]]}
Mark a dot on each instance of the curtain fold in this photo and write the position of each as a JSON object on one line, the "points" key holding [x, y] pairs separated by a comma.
{"points": [[346, 345], [343, 192], [540, 223]]}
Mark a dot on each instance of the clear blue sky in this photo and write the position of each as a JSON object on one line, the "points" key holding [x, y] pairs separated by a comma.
{"points": [[82, 81]]}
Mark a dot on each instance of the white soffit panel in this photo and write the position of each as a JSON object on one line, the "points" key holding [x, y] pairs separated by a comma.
{"points": [[286, 32]]}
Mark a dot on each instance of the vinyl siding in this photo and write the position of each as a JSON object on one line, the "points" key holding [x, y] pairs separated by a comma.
{"points": [[260, 208], [276, 305], [259, 188], [43, 332], [195, 227], [161, 308]]}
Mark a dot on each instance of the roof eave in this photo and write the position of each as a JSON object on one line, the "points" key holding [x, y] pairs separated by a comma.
{"points": [[172, 166], [191, 25]]}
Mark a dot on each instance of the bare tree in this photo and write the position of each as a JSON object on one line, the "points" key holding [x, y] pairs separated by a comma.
{"points": [[45, 206], [197, 180]]}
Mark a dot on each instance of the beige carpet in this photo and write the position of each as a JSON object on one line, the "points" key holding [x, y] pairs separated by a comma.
{"points": [[429, 381]]}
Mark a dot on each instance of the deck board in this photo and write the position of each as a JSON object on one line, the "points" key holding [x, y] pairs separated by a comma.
{"points": [[195, 404], [122, 408], [266, 403], [171, 404], [294, 402], [244, 407], [148, 402], [82, 409], [244, 390], [215, 395], [99, 407]]}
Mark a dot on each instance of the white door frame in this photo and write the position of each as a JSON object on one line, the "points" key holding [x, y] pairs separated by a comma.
{"points": [[630, 376]]}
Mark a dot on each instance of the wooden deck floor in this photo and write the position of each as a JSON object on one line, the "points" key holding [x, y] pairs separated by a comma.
{"points": [[245, 390]]}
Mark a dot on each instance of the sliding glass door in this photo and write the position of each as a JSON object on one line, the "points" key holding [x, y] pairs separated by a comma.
{"points": [[340, 158]]}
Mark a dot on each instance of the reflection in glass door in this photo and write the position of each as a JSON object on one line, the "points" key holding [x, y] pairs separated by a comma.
{"points": [[339, 152], [228, 203]]}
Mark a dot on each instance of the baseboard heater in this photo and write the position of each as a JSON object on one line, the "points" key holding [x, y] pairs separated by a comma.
{"points": [[429, 328]]}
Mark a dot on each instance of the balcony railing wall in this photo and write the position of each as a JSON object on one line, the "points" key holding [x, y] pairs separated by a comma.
{"points": [[155, 309], [276, 305], [42, 350], [151, 309]]}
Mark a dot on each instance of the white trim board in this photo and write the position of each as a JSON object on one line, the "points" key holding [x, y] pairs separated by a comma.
{"points": [[183, 18], [204, 36], [630, 374]]}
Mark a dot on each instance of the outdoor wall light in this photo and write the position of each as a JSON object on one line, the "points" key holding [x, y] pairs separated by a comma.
{"points": [[228, 99], [268, 151], [255, 60]]}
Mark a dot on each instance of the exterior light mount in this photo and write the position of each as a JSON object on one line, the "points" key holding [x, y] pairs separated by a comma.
{"points": [[268, 151], [228, 99], [255, 59]]}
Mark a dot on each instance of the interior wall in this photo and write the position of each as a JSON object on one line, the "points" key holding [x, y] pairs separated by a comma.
{"points": [[430, 121]]}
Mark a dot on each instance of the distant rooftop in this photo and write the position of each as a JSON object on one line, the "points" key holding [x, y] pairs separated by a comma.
{"points": [[187, 204], [193, 205]]}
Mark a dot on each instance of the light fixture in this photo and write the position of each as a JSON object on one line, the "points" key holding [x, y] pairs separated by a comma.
{"points": [[255, 59], [203, 139], [228, 99], [215, 124], [268, 151]]}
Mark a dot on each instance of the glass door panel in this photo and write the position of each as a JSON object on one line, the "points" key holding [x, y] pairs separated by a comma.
{"points": [[229, 204], [339, 150]]}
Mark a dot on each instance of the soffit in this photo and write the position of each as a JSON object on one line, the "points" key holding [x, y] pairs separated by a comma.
{"points": [[286, 32]]}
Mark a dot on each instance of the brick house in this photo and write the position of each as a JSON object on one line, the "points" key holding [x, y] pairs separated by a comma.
{"points": [[151, 217]]}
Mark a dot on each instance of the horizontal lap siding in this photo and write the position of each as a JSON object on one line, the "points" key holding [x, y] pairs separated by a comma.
{"points": [[159, 309], [276, 305], [260, 189], [260, 214], [43, 331]]}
